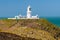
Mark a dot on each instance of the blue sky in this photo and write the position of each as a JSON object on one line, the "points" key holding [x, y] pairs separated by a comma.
{"points": [[44, 8]]}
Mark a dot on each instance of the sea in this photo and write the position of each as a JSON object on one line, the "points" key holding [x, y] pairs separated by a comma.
{"points": [[53, 20]]}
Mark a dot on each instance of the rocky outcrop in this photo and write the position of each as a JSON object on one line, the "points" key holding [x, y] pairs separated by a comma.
{"points": [[9, 36]]}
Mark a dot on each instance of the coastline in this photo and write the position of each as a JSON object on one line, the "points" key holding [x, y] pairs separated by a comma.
{"points": [[53, 20]]}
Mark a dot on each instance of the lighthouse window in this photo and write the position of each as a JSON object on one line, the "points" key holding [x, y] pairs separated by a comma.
{"points": [[30, 9]]}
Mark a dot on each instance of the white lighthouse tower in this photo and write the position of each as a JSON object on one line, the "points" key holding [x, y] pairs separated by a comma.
{"points": [[29, 12]]}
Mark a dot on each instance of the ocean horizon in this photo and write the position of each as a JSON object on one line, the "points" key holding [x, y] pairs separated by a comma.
{"points": [[54, 20]]}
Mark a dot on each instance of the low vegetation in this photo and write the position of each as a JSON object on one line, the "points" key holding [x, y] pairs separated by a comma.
{"points": [[39, 29]]}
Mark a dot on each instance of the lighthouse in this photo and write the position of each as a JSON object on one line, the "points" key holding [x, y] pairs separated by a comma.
{"points": [[29, 12], [28, 16]]}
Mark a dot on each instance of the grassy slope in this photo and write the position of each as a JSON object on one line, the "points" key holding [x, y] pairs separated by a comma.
{"points": [[39, 29]]}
